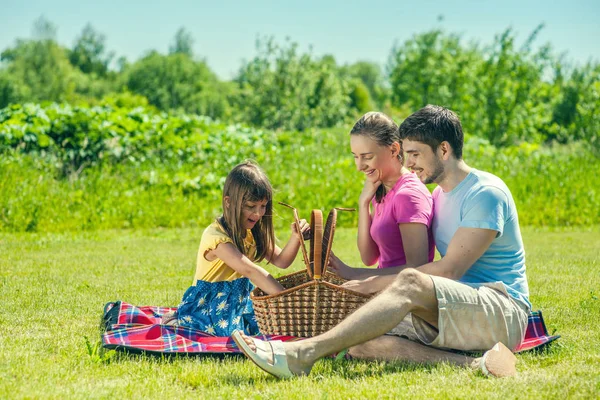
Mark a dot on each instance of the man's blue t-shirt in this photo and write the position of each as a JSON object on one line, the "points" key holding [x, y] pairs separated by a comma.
{"points": [[482, 200]]}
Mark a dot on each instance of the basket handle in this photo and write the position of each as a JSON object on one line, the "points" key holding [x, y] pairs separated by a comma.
{"points": [[299, 233], [316, 242], [328, 233]]}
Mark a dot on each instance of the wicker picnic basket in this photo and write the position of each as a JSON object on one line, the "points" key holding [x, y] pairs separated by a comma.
{"points": [[313, 301]]}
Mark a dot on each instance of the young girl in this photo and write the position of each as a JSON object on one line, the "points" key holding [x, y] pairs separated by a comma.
{"points": [[395, 208], [219, 300]]}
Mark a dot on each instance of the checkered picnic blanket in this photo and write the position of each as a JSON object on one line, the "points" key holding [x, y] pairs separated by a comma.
{"points": [[139, 329]]}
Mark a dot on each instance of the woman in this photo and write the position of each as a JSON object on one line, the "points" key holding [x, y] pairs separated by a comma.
{"points": [[395, 209]]}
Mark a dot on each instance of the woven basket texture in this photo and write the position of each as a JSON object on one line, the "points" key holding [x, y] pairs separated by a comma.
{"points": [[307, 307]]}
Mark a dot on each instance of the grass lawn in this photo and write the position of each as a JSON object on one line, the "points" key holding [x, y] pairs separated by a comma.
{"points": [[53, 288]]}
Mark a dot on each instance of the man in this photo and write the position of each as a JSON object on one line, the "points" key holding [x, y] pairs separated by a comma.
{"points": [[474, 298]]}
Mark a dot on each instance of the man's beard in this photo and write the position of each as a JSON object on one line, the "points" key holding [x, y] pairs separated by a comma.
{"points": [[436, 174]]}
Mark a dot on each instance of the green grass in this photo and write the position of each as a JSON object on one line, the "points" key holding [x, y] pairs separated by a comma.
{"points": [[53, 287]]}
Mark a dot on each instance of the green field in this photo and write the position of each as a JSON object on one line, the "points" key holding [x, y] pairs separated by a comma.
{"points": [[53, 288]]}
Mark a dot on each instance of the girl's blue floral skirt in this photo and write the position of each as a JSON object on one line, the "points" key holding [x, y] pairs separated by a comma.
{"points": [[218, 308]]}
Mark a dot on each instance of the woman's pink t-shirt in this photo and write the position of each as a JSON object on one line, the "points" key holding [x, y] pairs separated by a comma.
{"points": [[409, 201]]}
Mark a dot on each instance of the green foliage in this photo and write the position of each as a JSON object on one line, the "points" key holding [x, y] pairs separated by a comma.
{"points": [[284, 89], [42, 68], [175, 82], [576, 112], [372, 78], [89, 53], [432, 68], [72, 168], [360, 99], [504, 93], [183, 43]]}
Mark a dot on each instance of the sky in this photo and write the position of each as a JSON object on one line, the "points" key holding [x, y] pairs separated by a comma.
{"points": [[225, 32]]}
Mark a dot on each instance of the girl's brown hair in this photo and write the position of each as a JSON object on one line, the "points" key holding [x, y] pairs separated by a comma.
{"points": [[247, 182], [384, 131]]}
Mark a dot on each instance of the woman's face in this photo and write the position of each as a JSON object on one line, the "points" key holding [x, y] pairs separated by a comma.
{"points": [[373, 160]]}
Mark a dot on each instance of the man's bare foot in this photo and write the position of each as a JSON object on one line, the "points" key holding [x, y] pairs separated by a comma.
{"points": [[499, 361]]}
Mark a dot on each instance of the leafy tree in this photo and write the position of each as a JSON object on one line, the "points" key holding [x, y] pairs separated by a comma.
{"points": [[39, 69], [43, 67], [89, 52], [43, 29], [11, 89], [508, 83], [360, 98], [372, 79], [432, 68], [176, 81], [282, 88], [183, 43]]}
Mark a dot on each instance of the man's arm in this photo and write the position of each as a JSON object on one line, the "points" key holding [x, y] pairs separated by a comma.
{"points": [[465, 248]]}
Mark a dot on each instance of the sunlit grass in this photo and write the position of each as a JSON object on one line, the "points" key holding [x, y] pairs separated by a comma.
{"points": [[53, 288]]}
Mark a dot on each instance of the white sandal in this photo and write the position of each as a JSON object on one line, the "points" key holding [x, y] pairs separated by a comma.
{"points": [[278, 368]]}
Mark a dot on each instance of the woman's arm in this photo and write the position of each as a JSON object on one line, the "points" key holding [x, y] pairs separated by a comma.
{"points": [[284, 258], [237, 261], [415, 241], [369, 251]]}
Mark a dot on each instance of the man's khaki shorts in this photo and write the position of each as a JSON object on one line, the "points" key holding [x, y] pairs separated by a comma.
{"points": [[472, 317]]}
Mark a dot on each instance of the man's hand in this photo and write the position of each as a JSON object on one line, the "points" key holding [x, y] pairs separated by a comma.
{"points": [[370, 285]]}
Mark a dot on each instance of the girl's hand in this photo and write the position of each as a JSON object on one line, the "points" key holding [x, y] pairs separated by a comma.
{"points": [[339, 268], [369, 189], [304, 229]]}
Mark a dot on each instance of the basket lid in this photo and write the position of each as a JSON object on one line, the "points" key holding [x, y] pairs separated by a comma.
{"points": [[315, 267], [321, 240], [302, 245], [328, 232]]}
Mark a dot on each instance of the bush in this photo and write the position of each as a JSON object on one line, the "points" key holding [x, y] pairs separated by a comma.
{"points": [[148, 169]]}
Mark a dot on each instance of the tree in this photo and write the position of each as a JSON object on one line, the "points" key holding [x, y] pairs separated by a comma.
{"points": [[282, 88], [43, 29], [372, 78], [43, 67], [183, 43], [176, 81], [39, 70], [11, 89], [89, 52], [432, 68]]}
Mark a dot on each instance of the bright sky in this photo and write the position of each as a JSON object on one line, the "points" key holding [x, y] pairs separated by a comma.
{"points": [[225, 31]]}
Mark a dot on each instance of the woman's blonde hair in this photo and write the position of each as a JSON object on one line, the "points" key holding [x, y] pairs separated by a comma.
{"points": [[247, 182], [384, 131]]}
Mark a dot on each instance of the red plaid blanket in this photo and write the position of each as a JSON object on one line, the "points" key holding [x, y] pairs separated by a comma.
{"points": [[132, 328]]}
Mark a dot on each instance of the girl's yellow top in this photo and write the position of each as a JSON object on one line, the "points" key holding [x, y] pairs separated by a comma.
{"points": [[217, 270]]}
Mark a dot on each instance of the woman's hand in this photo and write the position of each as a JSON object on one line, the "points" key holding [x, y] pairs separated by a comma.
{"points": [[369, 189], [339, 268], [304, 229]]}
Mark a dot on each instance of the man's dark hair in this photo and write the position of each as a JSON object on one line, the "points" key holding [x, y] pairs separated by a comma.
{"points": [[433, 125]]}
